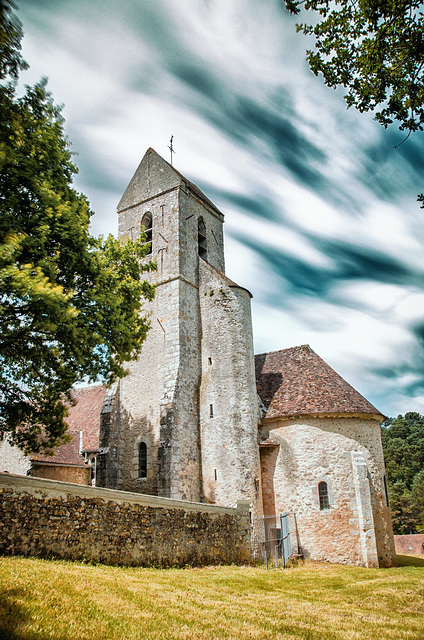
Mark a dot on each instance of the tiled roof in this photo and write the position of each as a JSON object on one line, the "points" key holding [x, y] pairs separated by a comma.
{"points": [[83, 416], [297, 381], [66, 454]]}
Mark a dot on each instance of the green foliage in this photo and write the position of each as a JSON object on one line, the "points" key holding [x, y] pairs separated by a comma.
{"points": [[11, 60], [403, 445], [417, 492], [404, 516], [375, 49], [69, 302]]}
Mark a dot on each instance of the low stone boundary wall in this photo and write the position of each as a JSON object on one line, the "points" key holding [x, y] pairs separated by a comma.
{"points": [[47, 518], [412, 545]]}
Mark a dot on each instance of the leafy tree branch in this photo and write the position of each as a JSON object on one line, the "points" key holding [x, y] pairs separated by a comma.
{"points": [[69, 302], [373, 48]]}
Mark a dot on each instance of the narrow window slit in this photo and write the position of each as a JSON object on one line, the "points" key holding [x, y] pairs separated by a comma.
{"points": [[323, 496], [142, 460], [386, 491]]}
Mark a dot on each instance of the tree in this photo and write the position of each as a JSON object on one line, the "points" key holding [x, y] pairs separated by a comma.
{"points": [[11, 61], [404, 517], [69, 302], [417, 493], [403, 446], [374, 48]]}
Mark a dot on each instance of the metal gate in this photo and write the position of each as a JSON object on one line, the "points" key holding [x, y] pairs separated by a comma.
{"points": [[274, 540]]}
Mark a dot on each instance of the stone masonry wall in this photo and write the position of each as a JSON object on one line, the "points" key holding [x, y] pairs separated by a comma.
{"points": [[346, 532], [366, 432], [145, 395], [13, 459], [63, 473], [53, 519], [229, 411], [412, 545]]}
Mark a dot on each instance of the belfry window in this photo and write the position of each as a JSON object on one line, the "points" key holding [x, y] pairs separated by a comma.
{"points": [[147, 226], [323, 496], [201, 239], [142, 460]]}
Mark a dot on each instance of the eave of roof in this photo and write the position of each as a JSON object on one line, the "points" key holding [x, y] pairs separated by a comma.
{"points": [[53, 463]]}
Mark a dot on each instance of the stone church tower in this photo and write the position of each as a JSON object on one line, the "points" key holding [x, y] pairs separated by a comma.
{"points": [[183, 424]]}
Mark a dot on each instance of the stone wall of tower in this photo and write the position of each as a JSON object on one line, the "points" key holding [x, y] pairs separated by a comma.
{"points": [[158, 402], [229, 410], [180, 464], [136, 414]]}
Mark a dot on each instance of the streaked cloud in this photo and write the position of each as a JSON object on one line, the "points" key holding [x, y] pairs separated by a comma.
{"points": [[321, 219]]}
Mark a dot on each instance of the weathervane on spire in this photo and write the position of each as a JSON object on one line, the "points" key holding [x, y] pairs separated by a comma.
{"points": [[171, 148]]}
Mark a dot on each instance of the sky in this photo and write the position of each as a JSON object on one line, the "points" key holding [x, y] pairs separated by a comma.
{"points": [[321, 219]]}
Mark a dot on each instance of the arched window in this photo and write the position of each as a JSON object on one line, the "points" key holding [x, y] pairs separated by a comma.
{"points": [[201, 239], [146, 226], [142, 460], [323, 496]]}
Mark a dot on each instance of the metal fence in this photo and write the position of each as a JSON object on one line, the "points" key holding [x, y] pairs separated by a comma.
{"points": [[275, 540]]}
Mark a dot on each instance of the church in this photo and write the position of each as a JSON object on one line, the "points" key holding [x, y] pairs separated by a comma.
{"points": [[199, 417]]}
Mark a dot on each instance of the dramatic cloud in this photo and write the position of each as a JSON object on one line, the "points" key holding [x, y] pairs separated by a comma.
{"points": [[322, 223]]}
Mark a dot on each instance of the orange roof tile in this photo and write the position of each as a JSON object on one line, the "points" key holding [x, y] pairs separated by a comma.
{"points": [[83, 416], [67, 454]]}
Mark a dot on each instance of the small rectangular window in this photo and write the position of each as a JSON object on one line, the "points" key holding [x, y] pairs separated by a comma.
{"points": [[215, 474], [211, 410], [209, 361]]}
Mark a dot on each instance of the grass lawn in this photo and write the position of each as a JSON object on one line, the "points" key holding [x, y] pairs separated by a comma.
{"points": [[41, 599]]}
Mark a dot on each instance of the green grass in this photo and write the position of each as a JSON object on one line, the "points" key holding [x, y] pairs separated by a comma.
{"points": [[41, 599]]}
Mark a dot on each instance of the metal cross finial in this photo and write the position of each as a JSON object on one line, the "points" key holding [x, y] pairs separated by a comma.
{"points": [[171, 148]]}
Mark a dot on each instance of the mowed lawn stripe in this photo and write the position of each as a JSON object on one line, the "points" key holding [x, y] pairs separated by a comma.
{"points": [[47, 599]]}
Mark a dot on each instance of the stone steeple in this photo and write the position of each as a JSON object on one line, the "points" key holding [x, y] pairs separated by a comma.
{"points": [[189, 403]]}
